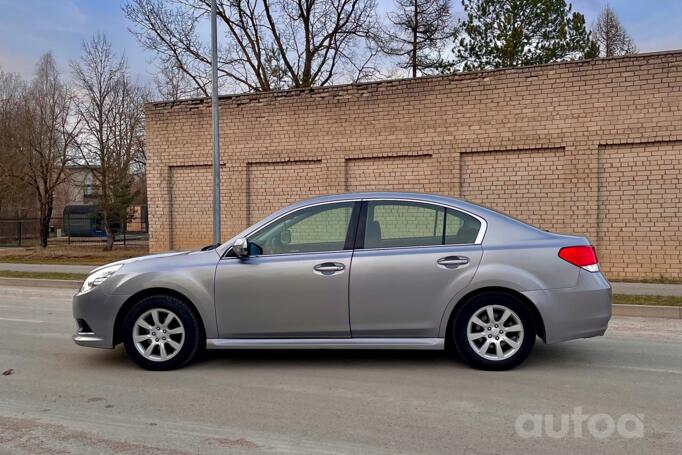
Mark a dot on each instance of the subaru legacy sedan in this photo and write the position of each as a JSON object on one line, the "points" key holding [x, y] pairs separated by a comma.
{"points": [[355, 271]]}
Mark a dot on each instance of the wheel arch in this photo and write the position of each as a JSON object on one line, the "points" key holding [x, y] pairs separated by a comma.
{"points": [[135, 298], [537, 317]]}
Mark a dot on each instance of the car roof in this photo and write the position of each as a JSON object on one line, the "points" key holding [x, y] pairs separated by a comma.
{"points": [[423, 197]]}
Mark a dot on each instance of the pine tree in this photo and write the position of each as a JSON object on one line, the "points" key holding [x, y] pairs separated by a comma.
{"points": [[503, 33]]}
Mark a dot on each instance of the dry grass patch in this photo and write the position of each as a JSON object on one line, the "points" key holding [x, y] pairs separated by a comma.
{"points": [[75, 255], [43, 275]]}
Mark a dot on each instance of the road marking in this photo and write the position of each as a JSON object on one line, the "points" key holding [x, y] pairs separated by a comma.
{"points": [[32, 321]]}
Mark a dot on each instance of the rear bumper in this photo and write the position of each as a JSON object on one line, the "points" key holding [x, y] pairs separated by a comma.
{"points": [[582, 311]]}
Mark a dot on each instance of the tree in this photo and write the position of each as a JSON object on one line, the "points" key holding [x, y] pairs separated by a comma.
{"points": [[110, 108], [503, 33], [16, 196], [418, 33], [172, 84], [44, 137], [267, 44], [611, 36]]}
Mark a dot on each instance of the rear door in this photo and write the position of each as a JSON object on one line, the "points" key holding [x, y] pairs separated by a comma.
{"points": [[411, 259]]}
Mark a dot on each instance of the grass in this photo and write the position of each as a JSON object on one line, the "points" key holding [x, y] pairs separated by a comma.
{"points": [[662, 300], [76, 255], [43, 275]]}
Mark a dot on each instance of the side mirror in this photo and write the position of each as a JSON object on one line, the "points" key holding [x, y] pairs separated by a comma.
{"points": [[241, 247]]}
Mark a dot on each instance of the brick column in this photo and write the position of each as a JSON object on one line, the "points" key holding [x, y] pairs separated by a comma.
{"points": [[582, 174]]}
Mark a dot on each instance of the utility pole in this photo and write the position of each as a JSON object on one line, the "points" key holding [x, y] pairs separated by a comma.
{"points": [[215, 112], [415, 31]]}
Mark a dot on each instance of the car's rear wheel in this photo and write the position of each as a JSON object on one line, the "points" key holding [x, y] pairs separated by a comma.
{"points": [[161, 332], [494, 331]]}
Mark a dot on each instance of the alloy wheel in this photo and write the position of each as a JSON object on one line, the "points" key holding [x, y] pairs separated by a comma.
{"points": [[158, 335], [495, 332]]}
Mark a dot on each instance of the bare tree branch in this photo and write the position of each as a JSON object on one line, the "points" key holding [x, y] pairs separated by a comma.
{"points": [[611, 36], [418, 33], [266, 43]]}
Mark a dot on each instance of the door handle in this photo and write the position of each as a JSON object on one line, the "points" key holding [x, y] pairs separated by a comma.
{"points": [[451, 261], [329, 267]]}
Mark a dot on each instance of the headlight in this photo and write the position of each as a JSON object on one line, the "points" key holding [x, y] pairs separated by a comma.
{"points": [[97, 278]]}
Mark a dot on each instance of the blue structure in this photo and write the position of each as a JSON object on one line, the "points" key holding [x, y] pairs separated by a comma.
{"points": [[83, 221]]}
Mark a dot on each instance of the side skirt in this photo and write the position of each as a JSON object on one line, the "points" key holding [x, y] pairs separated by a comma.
{"points": [[326, 343]]}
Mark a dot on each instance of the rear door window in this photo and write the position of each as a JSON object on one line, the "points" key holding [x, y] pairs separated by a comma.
{"points": [[396, 224], [400, 224], [460, 228]]}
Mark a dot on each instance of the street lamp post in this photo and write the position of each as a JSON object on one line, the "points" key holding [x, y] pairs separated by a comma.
{"points": [[215, 113]]}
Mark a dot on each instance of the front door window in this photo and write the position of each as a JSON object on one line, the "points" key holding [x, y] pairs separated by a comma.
{"points": [[310, 230]]}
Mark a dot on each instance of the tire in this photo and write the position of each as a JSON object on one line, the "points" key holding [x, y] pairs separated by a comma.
{"points": [[473, 321], [154, 349]]}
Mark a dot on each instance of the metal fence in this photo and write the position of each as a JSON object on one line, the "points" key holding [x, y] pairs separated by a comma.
{"points": [[16, 232], [26, 233]]}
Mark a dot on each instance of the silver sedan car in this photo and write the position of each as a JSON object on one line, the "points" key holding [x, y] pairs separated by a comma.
{"points": [[355, 271]]}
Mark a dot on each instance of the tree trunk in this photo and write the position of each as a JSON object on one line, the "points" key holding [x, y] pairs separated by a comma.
{"points": [[110, 242], [45, 217], [109, 245]]}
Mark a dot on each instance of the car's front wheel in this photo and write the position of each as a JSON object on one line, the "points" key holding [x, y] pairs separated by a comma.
{"points": [[494, 331], [161, 332]]}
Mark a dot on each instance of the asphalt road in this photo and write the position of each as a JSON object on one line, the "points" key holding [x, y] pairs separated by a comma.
{"points": [[65, 399]]}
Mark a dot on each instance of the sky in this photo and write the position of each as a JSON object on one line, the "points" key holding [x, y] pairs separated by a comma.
{"points": [[29, 28]]}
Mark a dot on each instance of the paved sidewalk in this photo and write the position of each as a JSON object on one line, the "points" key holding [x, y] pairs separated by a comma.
{"points": [[61, 268], [647, 289]]}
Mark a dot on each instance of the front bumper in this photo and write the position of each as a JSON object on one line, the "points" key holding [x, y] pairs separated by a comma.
{"points": [[582, 311], [98, 310]]}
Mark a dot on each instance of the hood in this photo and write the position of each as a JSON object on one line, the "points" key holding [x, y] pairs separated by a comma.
{"points": [[148, 257]]}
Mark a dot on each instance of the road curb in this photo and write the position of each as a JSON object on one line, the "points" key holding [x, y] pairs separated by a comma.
{"points": [[41, 283], [648, 311]]}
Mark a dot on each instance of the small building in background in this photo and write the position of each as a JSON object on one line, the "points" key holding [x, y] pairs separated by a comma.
{"points": [[76, 213]]}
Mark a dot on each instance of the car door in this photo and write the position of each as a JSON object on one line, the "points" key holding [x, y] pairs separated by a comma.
{"points": [[411, 259], [294, 283]]}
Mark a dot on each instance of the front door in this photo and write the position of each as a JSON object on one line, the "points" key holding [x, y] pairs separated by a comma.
{"points": [[412, 259], [294, 283]]}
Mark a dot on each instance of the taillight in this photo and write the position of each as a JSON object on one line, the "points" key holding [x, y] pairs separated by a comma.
{"points": [[581, 256]]}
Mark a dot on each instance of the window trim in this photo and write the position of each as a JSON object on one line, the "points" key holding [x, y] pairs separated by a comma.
{"points": [[361, 222], [360, 236], [350, 232]]}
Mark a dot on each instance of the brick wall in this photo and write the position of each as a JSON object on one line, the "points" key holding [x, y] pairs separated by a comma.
{"points": [[191, 198], [640, 201], [270, 185], [531, 185], [593, 148], [401, 173]]}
